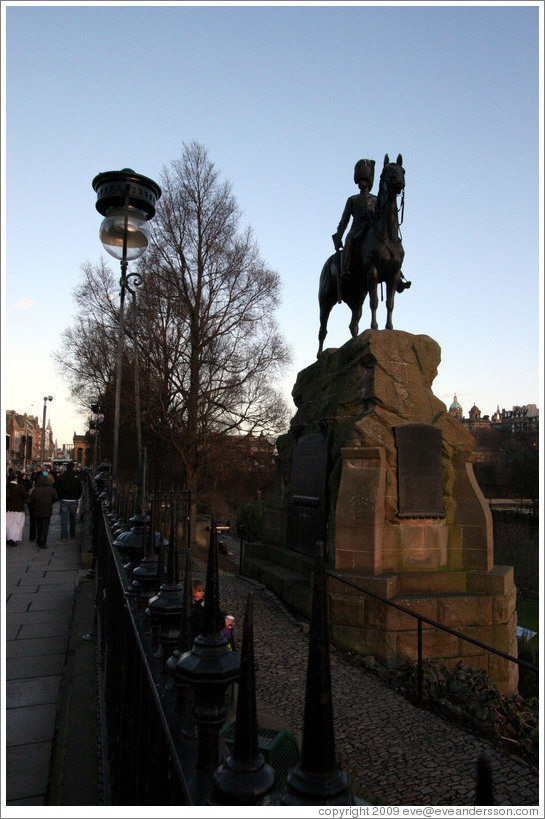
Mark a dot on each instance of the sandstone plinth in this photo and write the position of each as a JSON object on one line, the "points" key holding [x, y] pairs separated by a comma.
{"points": [[440, 565]]}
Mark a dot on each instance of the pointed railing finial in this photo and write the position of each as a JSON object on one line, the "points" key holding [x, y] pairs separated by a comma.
{"points": [[318, 779], [244, 778], [210, 668]]}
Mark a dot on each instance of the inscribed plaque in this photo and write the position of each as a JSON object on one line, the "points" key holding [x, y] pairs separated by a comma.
{"points": [[307, 503], [419, 479]]}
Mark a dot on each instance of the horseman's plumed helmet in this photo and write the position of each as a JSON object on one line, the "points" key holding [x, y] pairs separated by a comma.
{"points": [[364, 171]]}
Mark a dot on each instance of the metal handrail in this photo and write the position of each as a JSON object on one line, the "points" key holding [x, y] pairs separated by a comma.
{"points": [[423, 619]]}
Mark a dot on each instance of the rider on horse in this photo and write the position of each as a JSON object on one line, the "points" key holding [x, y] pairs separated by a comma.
{"points": [[361, 208]]}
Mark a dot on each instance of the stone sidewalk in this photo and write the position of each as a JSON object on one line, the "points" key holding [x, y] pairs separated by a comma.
{"points": [[394, 752], [40, 594]]}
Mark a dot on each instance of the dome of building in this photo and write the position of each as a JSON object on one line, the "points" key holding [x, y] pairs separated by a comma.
{"points": [[455, 409], [455, 405]]}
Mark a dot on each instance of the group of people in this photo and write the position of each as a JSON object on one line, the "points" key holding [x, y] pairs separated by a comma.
{"points": [[39, 492]]}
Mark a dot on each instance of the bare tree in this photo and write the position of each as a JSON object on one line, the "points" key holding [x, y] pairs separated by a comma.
{"points": [[86, 356], [210, 299]]}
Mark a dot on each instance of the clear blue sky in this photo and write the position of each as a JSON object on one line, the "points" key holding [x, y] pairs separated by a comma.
{"points": [[286, 98]]}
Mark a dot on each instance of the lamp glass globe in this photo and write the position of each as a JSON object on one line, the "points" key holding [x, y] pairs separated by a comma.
{"points": [[112, 231]]}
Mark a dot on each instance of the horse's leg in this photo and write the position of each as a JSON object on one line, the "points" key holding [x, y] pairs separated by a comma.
{"points": [[325, 310], [373, 297], [356, 316], [390, 294]]}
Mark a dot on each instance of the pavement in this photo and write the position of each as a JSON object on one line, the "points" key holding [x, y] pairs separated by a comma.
{"points": [[394, 752], [47, 592]]}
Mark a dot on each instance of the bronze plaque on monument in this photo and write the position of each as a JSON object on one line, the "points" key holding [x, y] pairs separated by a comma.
{"points": [[307, 502], [419, 479]]}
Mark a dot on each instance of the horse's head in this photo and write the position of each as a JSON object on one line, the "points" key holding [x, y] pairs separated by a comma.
{"points": [[392, 177]]}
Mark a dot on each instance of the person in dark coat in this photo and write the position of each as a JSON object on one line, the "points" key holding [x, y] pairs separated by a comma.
{"points": [[42, 498], [36, 474], [69, 489], [25, 481], [31, 522]]}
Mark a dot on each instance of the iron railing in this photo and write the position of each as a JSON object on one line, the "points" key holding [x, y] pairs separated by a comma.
{"points": [[150, 759], [145, 750]]}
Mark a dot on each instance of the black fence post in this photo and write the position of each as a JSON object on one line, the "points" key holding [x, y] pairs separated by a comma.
{"points": [[210, 667], [184, 693], [244, 778], [167, 605], [145, 575], [318, 779]]}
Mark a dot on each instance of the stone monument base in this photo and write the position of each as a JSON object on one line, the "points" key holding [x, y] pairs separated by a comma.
{"points": [[376, 467], [480, 605]]}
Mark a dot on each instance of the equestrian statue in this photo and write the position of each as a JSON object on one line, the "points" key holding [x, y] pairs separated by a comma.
{"points": [[373, 251]]}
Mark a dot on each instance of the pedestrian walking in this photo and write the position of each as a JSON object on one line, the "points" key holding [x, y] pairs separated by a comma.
{"points": [[69, 489], [31, 522], [41, 501], [16, 496]]}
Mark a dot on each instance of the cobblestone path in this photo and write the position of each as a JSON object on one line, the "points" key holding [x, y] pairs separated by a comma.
{"points": [[394, 752]]}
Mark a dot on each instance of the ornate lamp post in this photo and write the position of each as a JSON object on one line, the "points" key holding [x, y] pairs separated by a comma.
{"points": [[27, 449], [46, 399], [127, 201], [94, 429]]}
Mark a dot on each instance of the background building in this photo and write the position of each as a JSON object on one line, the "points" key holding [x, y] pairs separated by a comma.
{"points": [[523, 418], [506, 455], [23, 438], [24, 441]]}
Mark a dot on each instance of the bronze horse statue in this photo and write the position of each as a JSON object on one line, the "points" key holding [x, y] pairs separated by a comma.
{"points": [[377, 259]]}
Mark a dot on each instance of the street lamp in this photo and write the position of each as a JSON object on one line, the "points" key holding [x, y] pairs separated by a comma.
{"points": [[46, 399], [127, 201], [27, 448], [94, 429]]}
